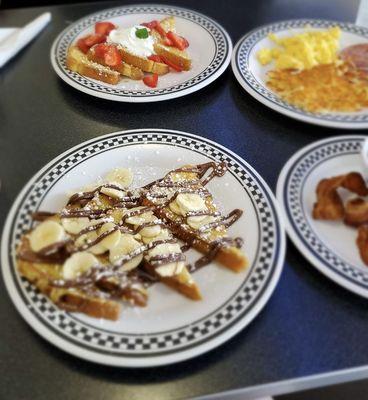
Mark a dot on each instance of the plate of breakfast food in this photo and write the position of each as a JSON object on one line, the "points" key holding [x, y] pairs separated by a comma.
{"points": [[322, 191], [142, 248], [315, 71], [141, 53]]}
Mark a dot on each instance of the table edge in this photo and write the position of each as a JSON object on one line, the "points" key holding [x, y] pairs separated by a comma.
{"points": [[290, 385]]}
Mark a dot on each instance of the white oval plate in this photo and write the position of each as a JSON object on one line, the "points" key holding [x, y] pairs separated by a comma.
{"points": [[171, 328], [210, 50], [329, 245], [252, 75]]}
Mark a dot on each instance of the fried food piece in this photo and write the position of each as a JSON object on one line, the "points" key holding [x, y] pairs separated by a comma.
{"points": [[362, 242], [356, 212], [329, 205]]}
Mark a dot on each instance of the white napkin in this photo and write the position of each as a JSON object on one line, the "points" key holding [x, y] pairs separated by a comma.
{"points": [[13, 40], [362, 16]]}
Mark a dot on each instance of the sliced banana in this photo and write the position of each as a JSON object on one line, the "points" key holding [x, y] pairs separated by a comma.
{"points": [[108, 242], [103, 245], [114, 193], [190, 202], [171, 269], [175, 208], [185, 277], [198, 221], [117, 215], [78, 263], [137, 236], [85, 239], [121, 176], [178, 176], [74, 225], [163, 235], [140, 219], [166, 249], [150, 231], [111, 240], [45, 234], [124, 246]]}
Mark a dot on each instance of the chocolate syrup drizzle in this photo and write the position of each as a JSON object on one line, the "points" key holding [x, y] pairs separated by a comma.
{"points": [[96, 278]]}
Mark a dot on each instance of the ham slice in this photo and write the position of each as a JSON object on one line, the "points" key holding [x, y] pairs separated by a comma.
{"points": [[357, 55]]}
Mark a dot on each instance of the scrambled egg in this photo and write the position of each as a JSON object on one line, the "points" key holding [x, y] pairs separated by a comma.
{"points": [[303, 50]]}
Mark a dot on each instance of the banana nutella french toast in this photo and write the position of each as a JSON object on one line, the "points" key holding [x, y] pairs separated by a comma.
{"points": [[102, 248], [183, 201], [110, 242], [67, 257], [164, 259]]}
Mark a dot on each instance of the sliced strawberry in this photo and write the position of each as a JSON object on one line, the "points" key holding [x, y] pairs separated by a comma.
{"points": [[155, 58], [160, 30], [112, 57], [104, 28], [150, 25], [94, 39], [172, 65], [167, 42], [101, 49], [81, 43], [151, 80], [179, 42]]}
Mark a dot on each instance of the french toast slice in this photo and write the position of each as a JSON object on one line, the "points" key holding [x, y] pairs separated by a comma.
{"points": [[206, 241], [176, 56], [106, 198], [182, 282], [70, 299], [124, 68], [78, 62], [143, 63]]}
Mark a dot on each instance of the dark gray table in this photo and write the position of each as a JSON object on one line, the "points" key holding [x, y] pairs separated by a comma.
{"points": [[310, 326]]}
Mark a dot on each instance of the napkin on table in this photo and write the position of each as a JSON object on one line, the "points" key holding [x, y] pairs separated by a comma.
{"points": [[12, 40]]}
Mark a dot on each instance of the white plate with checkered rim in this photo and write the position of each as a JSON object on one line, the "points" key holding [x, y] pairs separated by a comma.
{"points": [[210, 50], [252, 76], [329, 245], [171, 328]]}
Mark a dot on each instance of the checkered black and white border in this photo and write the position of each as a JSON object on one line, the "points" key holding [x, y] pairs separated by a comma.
{"points": [[293, 197], [69, 35], [243, 66], [263, 270]]}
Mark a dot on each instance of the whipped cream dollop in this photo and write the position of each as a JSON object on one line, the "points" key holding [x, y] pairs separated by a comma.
{"points": [[127, 38]]}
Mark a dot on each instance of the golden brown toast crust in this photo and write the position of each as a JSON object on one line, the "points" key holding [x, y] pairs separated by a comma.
{"points": [[40, 275], [78, 62], [178, 57], [143, 63], [182, 283]]}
